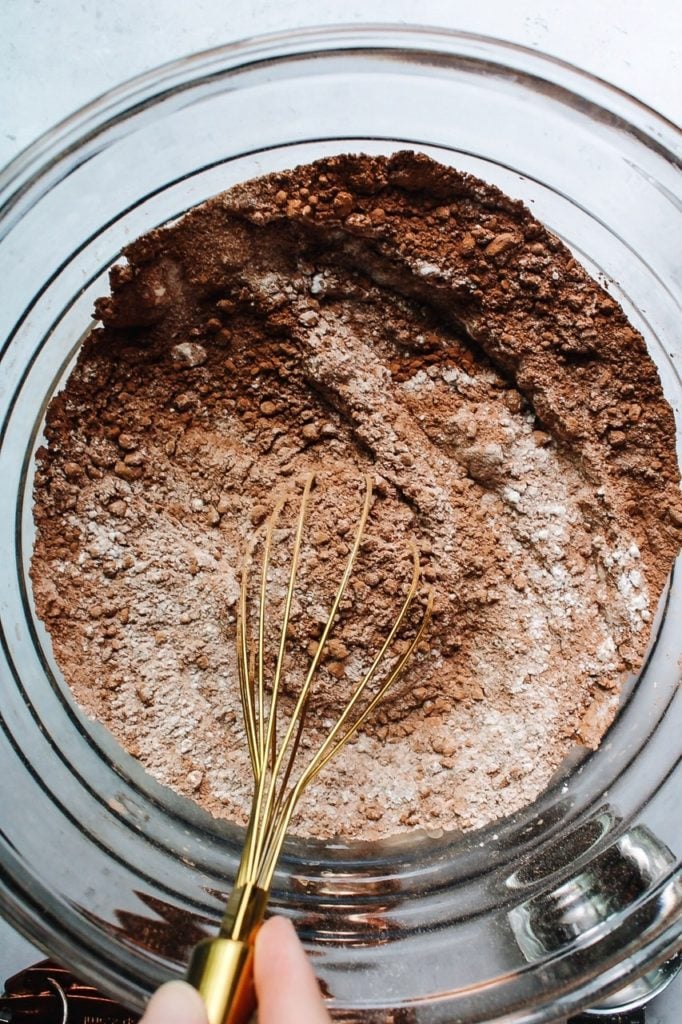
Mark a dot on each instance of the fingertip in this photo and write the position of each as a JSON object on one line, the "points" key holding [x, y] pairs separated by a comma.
{"points": [[176, 1002], [277, 946], [287, 989], [276, 930]]}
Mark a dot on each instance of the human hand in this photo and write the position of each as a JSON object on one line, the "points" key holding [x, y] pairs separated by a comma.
{"points": [[286, 986]]}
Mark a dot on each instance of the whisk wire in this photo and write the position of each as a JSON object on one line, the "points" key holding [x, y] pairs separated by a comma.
{"points": [[298, 540], [272, 522], [326, 752], [246, 694], [323, 639], [272, 805], [315, 661], [265, 800]]}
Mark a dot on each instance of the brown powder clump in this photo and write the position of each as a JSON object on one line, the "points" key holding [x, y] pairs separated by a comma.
{"points": [[387, 316]]}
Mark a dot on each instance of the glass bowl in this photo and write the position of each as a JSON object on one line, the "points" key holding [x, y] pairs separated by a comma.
{"points": [[543, 913]]}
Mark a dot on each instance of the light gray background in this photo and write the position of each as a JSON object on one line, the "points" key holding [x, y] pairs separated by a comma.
{"points": [[57, 55]]}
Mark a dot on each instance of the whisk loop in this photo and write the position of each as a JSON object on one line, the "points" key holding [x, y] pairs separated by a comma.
{"points": [[274, 800]]}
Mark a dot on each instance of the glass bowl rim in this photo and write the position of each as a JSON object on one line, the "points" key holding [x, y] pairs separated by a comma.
{"points": [[88, 120]]}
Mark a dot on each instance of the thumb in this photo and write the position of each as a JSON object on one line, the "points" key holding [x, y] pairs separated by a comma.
{"points": [[286, 985], [176, 1002]]}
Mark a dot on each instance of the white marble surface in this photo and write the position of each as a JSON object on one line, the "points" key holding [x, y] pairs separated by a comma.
{"points": [[56, 55]]}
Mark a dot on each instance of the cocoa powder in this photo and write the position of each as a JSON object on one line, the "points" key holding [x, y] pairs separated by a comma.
{"points": [[359, 315]]}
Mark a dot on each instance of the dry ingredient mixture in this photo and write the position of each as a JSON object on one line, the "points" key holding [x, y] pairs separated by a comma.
{"points": [[360, 315]]}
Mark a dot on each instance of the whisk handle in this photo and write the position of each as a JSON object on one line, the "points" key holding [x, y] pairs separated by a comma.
{"points": [[222, 972]]}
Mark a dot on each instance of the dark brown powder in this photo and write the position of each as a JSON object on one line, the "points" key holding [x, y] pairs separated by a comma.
{"points": [[360, 315]]}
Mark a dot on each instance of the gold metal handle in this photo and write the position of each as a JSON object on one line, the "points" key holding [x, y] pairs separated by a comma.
{"points": [[222, 972], [221, 969]]}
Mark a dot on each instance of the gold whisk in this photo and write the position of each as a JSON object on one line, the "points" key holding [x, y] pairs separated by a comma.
{"points": [[222, 968]]}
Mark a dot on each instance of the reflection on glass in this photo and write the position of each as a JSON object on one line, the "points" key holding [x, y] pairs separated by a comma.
{"points": [[167, 930], [567, 851], [574, 910]]}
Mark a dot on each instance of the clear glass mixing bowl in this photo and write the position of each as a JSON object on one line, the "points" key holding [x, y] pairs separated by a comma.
{"points": [[545, 912]]}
